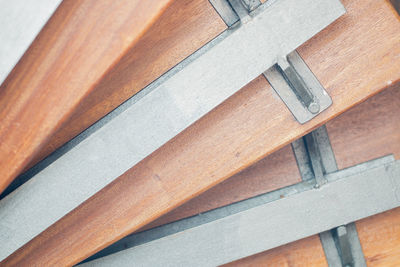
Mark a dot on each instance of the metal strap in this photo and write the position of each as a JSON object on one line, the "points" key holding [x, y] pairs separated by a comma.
{"points": [[347, 251], [298, 88]]}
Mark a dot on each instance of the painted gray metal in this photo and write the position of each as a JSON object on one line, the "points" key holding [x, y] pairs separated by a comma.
{"points": [[20, 22], [330, 250], [225, 11], [320, 100], [355, 246], [315, 150], [334, 255], [251, 4], [276, 29], [240, 9], [320, 148], [371, 188]]}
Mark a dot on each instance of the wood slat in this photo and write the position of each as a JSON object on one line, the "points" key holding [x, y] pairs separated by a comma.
{"points": [[368, 131], [273, 172], [81, 42], [245, 128], [380, 238], [304, 252]]}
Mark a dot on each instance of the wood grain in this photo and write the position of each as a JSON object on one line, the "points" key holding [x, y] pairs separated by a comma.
{"points": [[304, 252], [184, 27], [273, 172], [79, 44], [248, 126], [380, 238], [368, 131]]}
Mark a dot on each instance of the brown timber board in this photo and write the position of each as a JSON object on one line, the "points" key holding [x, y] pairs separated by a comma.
{"points": [[380, 238], [248, 126], [304, 252], [368, 131], [273, 172]]}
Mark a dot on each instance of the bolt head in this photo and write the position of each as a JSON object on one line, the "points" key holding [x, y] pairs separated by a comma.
{"points": [[314, 107]]}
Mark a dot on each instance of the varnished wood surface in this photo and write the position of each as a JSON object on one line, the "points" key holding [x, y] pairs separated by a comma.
{"points": [[304, 252], [184, 27], [273, 172], [79, 44], [245, 128], [380, 238], [368, 131]]}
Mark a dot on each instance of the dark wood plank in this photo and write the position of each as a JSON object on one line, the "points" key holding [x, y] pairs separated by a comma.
{"points": [[80, 43]]}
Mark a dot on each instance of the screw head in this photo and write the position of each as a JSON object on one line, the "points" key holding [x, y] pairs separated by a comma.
{"points": [[314, 107]]}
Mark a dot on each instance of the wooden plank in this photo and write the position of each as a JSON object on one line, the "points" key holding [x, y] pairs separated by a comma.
{"points": [[82, 41], [305, 252], [368, 131], [184, 27], [273, 172], [242, 130], [380, 238]]}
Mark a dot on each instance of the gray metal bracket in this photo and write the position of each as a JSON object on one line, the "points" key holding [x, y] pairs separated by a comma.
{"points": [[225, 11], [344, 246], [298, 87], [314, 155], [232, 11], [240, 9], [290, 77]]}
